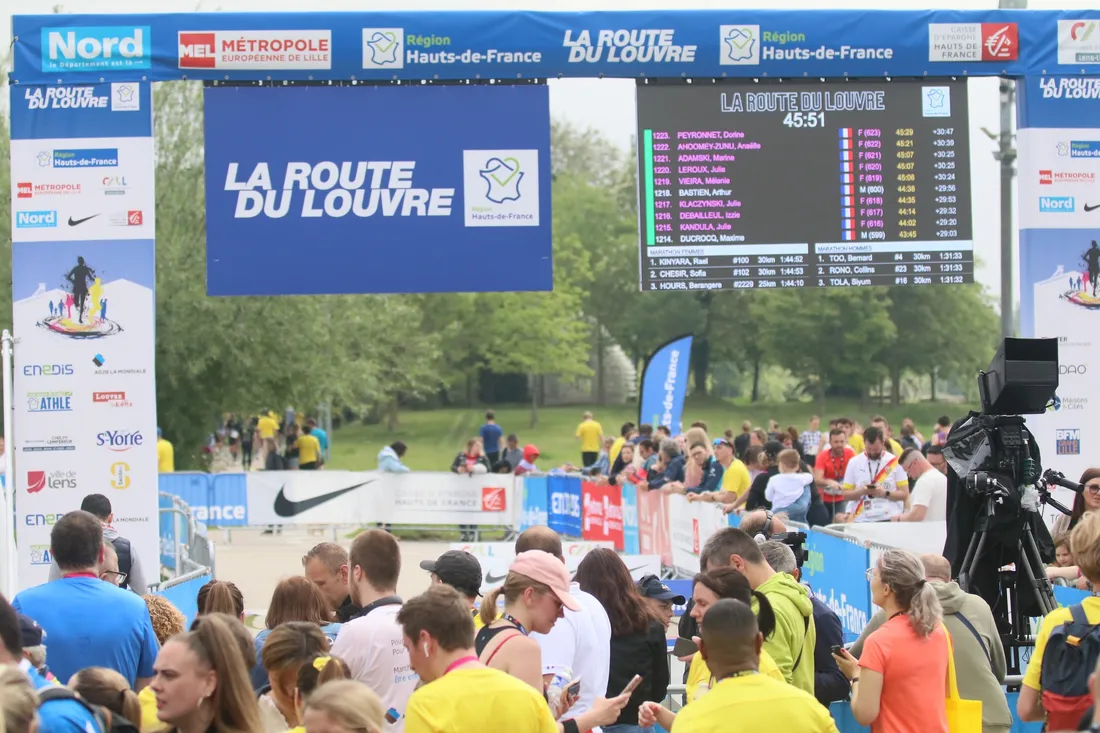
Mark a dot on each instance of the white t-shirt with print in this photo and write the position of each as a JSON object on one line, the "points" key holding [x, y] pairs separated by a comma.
{"points": [[372, 647], [930, 491], [862, 470]]}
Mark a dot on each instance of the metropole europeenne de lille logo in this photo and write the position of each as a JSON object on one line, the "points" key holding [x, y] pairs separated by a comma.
{"points": [[383, 48], [502, 178]]}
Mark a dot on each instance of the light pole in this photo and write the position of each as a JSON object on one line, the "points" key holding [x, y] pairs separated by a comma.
{"points": [[1006, 154]]}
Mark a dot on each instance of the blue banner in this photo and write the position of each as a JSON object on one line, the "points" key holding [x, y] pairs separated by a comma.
{"points": [[432, 45], [536, 502], [217, 500], [378, 189], [631, 541], [835, 571], [167, 527], [664, 385], [565, 505]]}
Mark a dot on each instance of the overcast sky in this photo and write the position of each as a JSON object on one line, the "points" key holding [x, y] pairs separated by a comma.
{"points": [[608, 104]]}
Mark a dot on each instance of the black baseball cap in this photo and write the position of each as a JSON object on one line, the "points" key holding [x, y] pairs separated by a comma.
{"points": [[30, 632], [651, 586], [458, 569]]}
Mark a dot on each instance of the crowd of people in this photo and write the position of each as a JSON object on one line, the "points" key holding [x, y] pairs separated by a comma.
{"points": [[342, 652], [266, 441]]}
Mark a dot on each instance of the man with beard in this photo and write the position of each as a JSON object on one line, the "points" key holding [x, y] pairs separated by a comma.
{"points": [[875, 485], [371, 643]]}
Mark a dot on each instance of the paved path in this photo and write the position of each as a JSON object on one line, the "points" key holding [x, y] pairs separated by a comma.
{"points": [[256, 562]]}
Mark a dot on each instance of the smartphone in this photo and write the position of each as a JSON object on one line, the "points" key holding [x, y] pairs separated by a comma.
{"points": [[837, 649], [574, 688], [632, 685], [684, 647]]}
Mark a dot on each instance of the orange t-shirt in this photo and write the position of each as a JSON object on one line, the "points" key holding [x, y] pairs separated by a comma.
{"points": [[914, 677]]}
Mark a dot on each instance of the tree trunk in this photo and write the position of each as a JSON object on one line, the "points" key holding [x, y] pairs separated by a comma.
{"points": [[756, 379], [601, 387], [934, 369], [700, 364], [391, 415], [895, 382], [533, 380]]}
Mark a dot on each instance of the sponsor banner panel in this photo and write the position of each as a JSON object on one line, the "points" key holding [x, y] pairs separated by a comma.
{"points": [[664, 385], [517, 44], [1060, 250], [690, 525], [603, 513], [835, 571], [536, 501], [83, 313], [342, 497], [653, 537], [393, 189]]}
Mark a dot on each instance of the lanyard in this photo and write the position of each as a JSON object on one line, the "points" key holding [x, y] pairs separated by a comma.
{"points": [[512, 619], [459, 662], [742, 673], [79, 575]]}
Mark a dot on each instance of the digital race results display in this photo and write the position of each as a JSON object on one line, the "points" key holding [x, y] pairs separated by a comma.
{"points": [[804, 184]]}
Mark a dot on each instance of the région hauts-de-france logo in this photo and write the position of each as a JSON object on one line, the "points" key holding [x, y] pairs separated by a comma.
{"points": [[502, 176], [740, 44], [383, 48], [80, 311]]}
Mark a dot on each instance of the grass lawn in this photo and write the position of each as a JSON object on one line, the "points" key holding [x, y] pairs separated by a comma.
{"points": [[434, 437]]}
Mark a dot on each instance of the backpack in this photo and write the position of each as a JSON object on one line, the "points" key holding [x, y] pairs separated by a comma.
{"points": [[107, 721], [125, 558], [1070, 657]]}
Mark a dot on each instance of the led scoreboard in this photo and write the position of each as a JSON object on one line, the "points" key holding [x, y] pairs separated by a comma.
{"points": [[777, 184]]}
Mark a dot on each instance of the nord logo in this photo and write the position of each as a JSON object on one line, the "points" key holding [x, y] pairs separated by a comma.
{"points": [[96, 47]]}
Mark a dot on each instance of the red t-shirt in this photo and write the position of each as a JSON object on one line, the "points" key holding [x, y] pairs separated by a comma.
{"points": [[834, 469], [914, 677]]}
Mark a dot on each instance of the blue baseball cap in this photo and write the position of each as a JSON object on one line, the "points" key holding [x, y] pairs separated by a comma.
{"points": [[651, 586]]}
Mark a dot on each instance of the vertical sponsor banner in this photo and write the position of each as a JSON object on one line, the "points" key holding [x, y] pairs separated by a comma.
{"points": [[536, 501], [564, 516], [83, 312], [631, 545], [653, 525], [664, 385], [835, 572], [602, 518], [690, 525], [1059, 215]]}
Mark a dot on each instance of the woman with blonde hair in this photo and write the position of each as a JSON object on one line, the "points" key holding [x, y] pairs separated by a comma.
{"points": [[295, 599], [535, 592], [201, 681], [289, 647], [343, 706], [18, 702], [108, 689], [899, 683], [167, 619]]}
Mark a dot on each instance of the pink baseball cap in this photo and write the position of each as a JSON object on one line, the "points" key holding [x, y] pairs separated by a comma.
{"points": [[548, 570]]}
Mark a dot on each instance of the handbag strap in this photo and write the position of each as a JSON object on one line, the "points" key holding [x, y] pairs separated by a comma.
{"points": [[952, 681], [970, 627]]}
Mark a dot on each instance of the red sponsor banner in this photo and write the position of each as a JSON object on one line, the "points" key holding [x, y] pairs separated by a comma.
{"points": [[653, 536], [494, 499], [602, 513], [1000, 42]]}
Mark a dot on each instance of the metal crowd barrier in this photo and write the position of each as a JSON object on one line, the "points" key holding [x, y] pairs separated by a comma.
{"points": [[185, 547]]}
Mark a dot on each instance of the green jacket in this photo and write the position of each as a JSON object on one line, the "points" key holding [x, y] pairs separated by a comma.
{"points": [[792, 643]]}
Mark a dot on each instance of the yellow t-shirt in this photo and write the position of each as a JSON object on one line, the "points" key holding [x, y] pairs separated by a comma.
{"points": [[736, 478], [149, 719], [856, 441], [166, 456], [590, 433], [309, 449], [699, 677], [756, 702], [1055, 617], [266, 427], [463, 700], [615, 448]]}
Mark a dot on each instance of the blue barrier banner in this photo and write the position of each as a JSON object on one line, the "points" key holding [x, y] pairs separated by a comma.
{"points": [[664, 385], [167, 526], [536, 502], [217, 500], [185, 597], [565, 505], [1067, 596], [388, 189], [523, 44], [835, 571], [631, 541]]}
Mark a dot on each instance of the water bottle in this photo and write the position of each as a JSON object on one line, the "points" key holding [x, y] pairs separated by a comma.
{"points": [[554, 690]]}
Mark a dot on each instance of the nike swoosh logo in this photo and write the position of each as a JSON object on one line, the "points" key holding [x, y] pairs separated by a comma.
{"points": [[74, 222], [490, 578], [1091, 208], [284, 507]]}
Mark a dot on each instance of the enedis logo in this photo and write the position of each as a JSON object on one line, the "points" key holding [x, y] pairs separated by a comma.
{"points": [[93, 48]]}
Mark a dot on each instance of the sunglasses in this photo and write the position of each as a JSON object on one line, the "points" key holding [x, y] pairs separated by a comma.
{"points": [[1093, 488]]}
